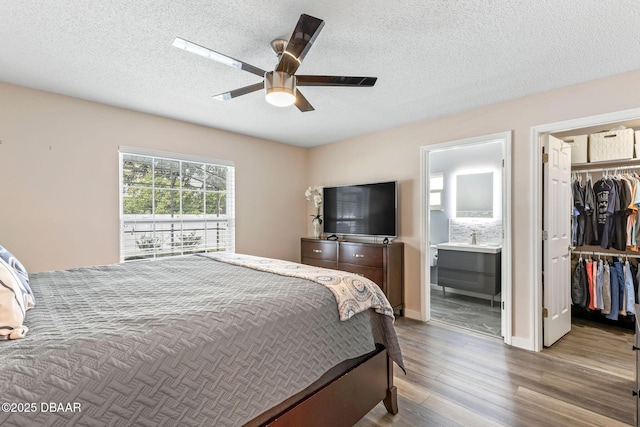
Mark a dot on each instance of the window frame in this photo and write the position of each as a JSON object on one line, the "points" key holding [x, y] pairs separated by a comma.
{"points": [[127, 223], [436, 190]]}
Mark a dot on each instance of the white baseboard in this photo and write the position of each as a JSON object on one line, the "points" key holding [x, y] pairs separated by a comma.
{"points": [[523, 343], [412, 314]]}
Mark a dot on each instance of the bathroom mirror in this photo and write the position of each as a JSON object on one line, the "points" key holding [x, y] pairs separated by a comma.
{"points": [[474, 195]]}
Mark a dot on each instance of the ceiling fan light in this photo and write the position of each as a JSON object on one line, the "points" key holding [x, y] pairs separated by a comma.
{"points": [[280, 98], [280, 88]]}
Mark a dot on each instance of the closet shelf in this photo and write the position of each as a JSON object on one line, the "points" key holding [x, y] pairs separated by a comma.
{"points": [[612, 164]]}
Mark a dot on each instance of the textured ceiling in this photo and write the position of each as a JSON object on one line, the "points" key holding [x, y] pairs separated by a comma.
{"points": [[431, 57]]}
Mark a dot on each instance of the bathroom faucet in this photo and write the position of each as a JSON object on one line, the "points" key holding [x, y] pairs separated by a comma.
{"points": [[473, 238]]}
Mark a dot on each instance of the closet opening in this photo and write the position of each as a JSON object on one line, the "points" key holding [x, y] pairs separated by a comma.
{"points": [[587, 214], [605, 234], [564, 166]]}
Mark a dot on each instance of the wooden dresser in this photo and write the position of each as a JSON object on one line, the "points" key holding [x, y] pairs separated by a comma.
{"points": [[382, 263]]}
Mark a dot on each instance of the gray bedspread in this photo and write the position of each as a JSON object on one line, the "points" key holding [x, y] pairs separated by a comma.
{"points": [[181, 341]]}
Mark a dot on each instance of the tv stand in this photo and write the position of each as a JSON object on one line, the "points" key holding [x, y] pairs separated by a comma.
{"points": [[383, 263]]}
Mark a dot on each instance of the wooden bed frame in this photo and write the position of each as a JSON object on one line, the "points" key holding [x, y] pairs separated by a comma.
{"points": [[341, 397]]}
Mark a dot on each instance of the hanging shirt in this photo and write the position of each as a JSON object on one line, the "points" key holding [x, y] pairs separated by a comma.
{"points": [[634, 275], [632, 211], [575, 218], [578, 288], [637, 282], [591, 283], [606, 196], [629, 294], [599, 284], [636, 225], [606, 290], [579, 218], [591, 236], [617, 277], [622, 201]]}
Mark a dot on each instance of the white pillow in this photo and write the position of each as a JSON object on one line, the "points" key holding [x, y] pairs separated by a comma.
{"points": [[14, 303], [19, 269]]}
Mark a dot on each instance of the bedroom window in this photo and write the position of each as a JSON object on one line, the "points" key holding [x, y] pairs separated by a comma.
{"points": [[172, 204]]}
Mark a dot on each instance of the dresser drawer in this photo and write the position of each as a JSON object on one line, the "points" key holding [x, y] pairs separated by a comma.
{"points": [[382, 263], [333, 264], [318, 249], [374, 274], [361, 255]]}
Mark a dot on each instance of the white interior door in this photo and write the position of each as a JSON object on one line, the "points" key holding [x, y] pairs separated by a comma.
{"points": [[557, 239]]}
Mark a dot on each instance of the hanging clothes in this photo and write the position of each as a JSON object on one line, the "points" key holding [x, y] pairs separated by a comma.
{"points": [[579, 217], [636, 224], [599, 285], [605, 192], [616, 278], [632, 213], [578, 288], [629, 292], [623, 191], [637, 284], [591, 284], [606, 290], [591, 236]]}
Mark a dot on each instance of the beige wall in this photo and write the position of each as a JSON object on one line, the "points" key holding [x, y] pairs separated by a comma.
{"points": [[59, 198], [395, 154], [59, 168]]}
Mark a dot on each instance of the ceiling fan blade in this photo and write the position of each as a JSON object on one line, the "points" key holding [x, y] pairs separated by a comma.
{"points": [[335, 81], [216, 56], [239, 92], [302, 103], [301, 41]]}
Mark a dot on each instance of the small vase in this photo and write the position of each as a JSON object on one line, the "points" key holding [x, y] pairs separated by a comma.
{"points": [[317, 229]]}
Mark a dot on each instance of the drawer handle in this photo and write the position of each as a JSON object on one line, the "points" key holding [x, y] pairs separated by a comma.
{"points": [[358, 256], [317, 251]]}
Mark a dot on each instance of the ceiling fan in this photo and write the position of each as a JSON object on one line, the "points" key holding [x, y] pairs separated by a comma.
{"points": [[281, 84]]}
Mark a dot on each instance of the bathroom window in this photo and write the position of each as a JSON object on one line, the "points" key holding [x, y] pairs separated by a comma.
{"points": [[436, 186]]}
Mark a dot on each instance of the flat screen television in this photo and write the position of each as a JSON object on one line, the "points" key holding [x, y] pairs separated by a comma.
{"points": [[365, 209]]}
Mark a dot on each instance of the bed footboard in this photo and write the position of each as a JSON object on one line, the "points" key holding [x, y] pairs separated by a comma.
{"points": [[346, 399]]}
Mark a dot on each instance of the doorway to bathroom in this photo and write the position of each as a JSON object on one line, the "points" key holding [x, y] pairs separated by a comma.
{"points": [[466, 244]]}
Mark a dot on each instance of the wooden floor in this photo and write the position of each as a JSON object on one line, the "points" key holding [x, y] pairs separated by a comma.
{"points": [[456, 378], [474, 314]]}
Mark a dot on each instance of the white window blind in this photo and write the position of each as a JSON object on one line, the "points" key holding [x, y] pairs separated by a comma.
{"points": [[172, 204]]}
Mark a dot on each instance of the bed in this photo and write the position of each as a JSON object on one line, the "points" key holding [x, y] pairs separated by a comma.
{"points": [[225, 340]]}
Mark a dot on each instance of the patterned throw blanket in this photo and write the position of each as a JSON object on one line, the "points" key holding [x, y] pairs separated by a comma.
{"points": [[353, 293]]}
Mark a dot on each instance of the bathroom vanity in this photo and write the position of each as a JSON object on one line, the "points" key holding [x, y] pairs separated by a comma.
{"points": [[470, 267]]}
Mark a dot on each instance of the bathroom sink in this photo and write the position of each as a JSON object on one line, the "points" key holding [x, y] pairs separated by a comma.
{"points": [[490, 248]]}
